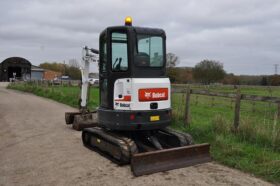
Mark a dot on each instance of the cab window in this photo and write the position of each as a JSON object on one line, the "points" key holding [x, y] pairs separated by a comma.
{"points": [[119, 52], [152, 46]]}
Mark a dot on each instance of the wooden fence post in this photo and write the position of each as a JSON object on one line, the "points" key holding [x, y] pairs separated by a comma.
{"points": [[187, 108], [180, 108], [278, 110], [237, 110], [270, 94]]}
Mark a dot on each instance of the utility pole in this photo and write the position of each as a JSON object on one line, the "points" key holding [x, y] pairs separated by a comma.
{"points": [[276, 68], [64, 68]]}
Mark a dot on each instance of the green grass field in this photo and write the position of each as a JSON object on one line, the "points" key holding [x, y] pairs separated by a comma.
{"points": [[255, 148]]}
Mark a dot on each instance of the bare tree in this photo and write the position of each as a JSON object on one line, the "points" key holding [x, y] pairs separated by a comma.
{"points": [[171, 60], [74, 63], [73, 69]]}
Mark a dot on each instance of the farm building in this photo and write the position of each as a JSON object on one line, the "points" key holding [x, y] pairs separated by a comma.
{"points": [[51, 75], [37, 73], [15, 66]]}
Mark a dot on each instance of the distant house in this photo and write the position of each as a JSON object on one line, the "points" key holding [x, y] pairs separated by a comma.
{"points": [[50, 75], [37, 73]]}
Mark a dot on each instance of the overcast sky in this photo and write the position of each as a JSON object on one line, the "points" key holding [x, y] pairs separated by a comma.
{"points": [[244, 35]]}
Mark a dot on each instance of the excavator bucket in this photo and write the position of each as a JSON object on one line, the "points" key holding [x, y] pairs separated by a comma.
{"points": [[168, 159], [81, 120]]}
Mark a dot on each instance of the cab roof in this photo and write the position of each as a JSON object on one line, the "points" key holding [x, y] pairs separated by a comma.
{"points": [[138, 30]]}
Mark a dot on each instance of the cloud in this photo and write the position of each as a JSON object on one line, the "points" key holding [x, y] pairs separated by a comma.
{"points": [[243, 34]]}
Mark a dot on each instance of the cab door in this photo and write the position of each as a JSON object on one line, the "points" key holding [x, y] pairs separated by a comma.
{"points": [[119, 60], [103, 71], [114, 63]]}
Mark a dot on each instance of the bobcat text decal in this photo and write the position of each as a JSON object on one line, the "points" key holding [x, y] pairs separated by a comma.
{"points": [[153, 94]]}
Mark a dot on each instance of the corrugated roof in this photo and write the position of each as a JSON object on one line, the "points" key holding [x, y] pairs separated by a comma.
{"points": [[36, 68]]}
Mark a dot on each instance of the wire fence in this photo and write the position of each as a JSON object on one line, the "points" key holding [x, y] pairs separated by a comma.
{"points": [[187, 102]]}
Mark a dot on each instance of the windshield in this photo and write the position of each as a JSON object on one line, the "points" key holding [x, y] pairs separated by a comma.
{"points": [[151, 46]]}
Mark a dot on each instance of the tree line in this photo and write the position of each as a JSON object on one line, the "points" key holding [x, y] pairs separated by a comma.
{"points": [[205, 72], [211, 71], [70, 69]]}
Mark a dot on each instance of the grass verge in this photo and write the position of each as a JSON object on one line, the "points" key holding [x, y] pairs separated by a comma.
{"points": [[68, 95]]}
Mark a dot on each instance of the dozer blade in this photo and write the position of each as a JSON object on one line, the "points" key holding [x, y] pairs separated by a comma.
{"points": [[168, 159]]}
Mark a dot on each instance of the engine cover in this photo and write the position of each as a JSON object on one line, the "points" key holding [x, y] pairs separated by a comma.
{"points": [[141, 93]]}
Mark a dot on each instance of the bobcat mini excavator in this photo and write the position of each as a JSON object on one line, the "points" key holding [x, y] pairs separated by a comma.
{"points": [[131, 123]]}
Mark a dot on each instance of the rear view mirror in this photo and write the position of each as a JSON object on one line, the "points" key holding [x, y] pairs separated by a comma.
{"points": [[142, 59]]}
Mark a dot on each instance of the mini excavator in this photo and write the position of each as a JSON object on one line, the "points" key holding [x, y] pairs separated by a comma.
{"points": [[130, 126]]}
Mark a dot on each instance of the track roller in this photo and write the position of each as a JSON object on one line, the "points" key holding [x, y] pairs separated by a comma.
{"points": [[112, 145]]}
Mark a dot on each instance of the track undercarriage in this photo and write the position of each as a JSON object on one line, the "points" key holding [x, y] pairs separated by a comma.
{"points": [[147, 151]]}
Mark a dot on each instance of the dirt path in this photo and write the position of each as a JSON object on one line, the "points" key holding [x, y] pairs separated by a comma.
{"points": [[37, 148]]}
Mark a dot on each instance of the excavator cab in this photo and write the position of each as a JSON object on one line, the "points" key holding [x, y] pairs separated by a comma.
{"points": [[134, 90], [131, 123]]}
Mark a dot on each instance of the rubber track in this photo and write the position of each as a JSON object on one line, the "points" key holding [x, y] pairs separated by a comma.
{"points": [[126, 146], [185, 138]]}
